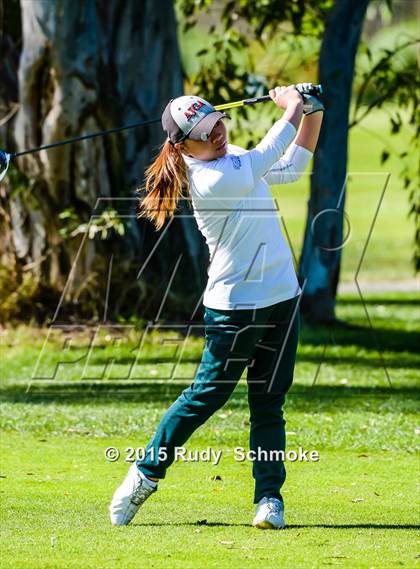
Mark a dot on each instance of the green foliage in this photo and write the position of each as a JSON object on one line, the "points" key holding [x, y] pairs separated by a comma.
{"points": [[227, 68], [261, 18], [18, 290], [22, 292], [105, 223], [395, 79], [22, 295]]}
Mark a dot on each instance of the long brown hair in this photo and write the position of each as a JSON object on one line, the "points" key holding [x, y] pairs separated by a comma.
{"points": [[166, 182]]}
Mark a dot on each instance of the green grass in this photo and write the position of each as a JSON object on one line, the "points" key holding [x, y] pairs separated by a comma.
{"points": [[347, 510], [356, 507]]}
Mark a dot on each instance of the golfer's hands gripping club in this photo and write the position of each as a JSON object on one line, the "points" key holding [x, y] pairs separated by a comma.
{"points": [[289, 99], [311, 104]]}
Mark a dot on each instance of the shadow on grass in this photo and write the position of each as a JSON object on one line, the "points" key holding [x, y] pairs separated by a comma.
{"points": [[390, 340], [411, 299], [372, 342], [288, 526], [393, 361], [329, 398], [366, 360]]}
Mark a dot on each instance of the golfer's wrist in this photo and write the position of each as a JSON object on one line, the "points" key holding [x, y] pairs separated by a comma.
{"points": [[293, 112]]}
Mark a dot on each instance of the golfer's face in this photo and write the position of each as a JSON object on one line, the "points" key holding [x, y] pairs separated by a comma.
{"points": [[211, 149]]}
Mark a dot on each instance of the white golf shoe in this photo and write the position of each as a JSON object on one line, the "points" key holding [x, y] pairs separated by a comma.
{"points": [[270, 514], [128, 497]]}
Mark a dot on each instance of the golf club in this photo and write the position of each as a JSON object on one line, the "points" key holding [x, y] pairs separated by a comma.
{"points": [[5, 157]]}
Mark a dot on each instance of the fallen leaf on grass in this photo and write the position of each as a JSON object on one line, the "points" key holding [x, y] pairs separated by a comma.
{"points": [[363, 455], [215, 477], [358, 500]]}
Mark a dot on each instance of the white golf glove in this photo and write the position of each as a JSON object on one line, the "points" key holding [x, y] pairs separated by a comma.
{"points": [[311, 104]]}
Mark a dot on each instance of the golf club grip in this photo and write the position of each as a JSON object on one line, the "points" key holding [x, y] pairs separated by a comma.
{"points": [[316, 91]]}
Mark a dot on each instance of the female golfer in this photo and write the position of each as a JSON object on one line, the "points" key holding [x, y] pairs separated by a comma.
{"points": [[251, 298]]}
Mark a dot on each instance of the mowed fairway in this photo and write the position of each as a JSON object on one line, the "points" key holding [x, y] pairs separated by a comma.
{"points": [[348, 510], [356, 507]]}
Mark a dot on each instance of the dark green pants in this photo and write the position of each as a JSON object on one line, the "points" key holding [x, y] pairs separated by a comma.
{"points": [[263, 339]]}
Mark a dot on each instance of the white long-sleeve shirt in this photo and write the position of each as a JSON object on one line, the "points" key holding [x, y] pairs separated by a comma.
{"points": [[251, 265]]}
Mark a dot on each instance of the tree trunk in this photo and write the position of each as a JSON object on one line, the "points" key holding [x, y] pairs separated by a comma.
{"points": [[10, 36], [85, 67], [319, 265]]}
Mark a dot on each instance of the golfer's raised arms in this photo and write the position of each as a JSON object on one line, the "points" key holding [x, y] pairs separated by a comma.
{"points": [[292, 165]]}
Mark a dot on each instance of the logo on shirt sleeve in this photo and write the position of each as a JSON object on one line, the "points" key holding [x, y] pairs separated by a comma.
{"points": [[236, 161]]}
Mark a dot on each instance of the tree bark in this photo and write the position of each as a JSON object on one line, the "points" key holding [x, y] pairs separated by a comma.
{"points": [[10, 34], [319, 265], [85, 67]]}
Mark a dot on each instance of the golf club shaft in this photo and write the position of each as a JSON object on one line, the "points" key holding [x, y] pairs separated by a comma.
{"points": [[317, 90], [83, 137], [237, 104]]}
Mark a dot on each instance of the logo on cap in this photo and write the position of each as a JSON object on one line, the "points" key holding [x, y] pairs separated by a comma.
{"points": [[192, 110]]}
